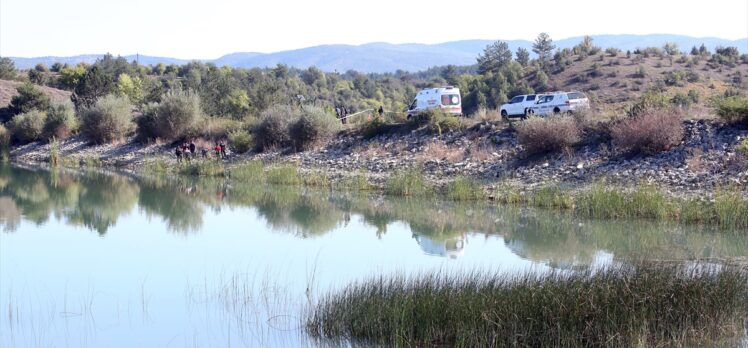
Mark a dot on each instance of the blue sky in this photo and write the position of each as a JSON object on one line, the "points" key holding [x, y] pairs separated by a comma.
{"points": [[208, 29]]}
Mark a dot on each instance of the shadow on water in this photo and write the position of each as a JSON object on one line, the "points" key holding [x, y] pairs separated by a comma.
{"points": [[96, 200]]}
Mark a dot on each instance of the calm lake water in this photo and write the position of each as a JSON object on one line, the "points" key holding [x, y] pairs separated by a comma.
{"points": [[104, 260]]}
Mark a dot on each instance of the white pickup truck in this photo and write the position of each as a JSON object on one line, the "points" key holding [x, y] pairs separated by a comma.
{"points": [[519, 106]]}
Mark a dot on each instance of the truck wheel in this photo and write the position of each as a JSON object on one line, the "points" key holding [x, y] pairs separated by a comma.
{"points": [[556, 110], [504, 115]]}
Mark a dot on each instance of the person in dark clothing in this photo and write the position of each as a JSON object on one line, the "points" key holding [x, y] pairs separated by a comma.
{"points": [[193, 149], [344, 114], [223, 150], [178, 152], [381, 111], [205, 152]]}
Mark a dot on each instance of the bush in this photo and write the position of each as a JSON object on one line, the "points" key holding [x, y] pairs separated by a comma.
{"points": [[374, 127], [272, 130], [650, 132], [4, 140], [408, 182], [649, 100], [29, 98], [436, 121], [314, 126], [28, 126], [108, 120], [733, 109], [61, 122], [554, 133], [177, 114], [214, 128], [240, 140]]}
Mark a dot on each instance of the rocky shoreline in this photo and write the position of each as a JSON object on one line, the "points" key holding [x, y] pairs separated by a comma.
{"points": [[486, 151]]}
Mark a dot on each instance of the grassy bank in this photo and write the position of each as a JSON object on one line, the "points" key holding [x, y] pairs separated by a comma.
{"points": [[645, 304], [727, 209]]}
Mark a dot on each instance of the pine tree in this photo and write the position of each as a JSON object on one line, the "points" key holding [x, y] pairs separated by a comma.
{"points": [[494, 57], [543, 47], [523, 57]]}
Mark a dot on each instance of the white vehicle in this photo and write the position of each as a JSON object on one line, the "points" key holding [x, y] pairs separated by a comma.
{"points": [[560, 102], [446, 98], [518, 106]]}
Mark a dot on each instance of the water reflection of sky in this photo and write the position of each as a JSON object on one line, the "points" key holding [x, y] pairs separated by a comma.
{"points": [[170, 269]]}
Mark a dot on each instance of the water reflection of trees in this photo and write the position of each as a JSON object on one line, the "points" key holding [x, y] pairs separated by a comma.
{"points": [[97, 200]]}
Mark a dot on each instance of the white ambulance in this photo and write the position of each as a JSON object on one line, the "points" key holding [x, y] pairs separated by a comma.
{"points": [[446, 98]]}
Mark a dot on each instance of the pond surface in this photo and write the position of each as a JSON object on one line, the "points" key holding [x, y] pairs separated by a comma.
{"points": [[105, 260]]}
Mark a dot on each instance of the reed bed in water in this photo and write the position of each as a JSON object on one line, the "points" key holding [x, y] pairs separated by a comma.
{"points": [[643, 304]]}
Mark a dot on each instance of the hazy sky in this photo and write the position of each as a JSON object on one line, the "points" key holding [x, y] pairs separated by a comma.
{"points": [[208, 29]]}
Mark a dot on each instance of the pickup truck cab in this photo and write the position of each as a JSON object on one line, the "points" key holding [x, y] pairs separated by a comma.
{"points": [[518, 106], [560, 102]]}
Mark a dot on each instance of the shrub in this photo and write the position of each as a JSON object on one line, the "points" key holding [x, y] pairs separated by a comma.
{"points": [[733, 109], [554, 133], [314, 126], [4, 139], [29, 98], [409, 182], [648, 100], [214, 128], [171, 119], [464, 189], [272, 130], [28, 126], [374, 127], [61, 122], [436, 121], [681, 100], [283, 175], [108, 120], [240, 140], [650, 132]]}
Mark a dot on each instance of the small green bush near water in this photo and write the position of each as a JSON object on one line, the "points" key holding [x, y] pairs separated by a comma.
{"points": [[252, 171], [240, 141], [409, 182], [108, 120], [4, 139], [61, 122], [312, 127], [283, 175], [28, 126], [464, 189], [273, 128], [626, 305], [203, 168]]}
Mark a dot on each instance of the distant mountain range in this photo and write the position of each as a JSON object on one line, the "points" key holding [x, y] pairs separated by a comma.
{"points": [[384, 57]]}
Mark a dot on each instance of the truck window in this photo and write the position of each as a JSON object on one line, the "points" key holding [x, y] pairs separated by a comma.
{"points": [[517, 99], [576, 95], [530, 97], [450, 99]]}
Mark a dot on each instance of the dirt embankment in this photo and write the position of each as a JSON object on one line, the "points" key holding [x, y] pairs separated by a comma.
{"points": [[487, 151]]}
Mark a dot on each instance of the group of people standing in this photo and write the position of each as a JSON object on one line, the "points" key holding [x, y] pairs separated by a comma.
{"points": [[189, 151]]}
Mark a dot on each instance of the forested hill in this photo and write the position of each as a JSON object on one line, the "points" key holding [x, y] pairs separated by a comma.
{"points": [[385, 57]]}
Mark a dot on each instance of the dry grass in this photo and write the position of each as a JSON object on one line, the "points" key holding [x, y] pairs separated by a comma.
{"points": [[549, 134], [695, 162], [440, 151], [650, 132]]}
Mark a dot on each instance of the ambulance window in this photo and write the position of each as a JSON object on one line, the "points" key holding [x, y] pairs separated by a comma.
{"points": [[450, 99]]}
